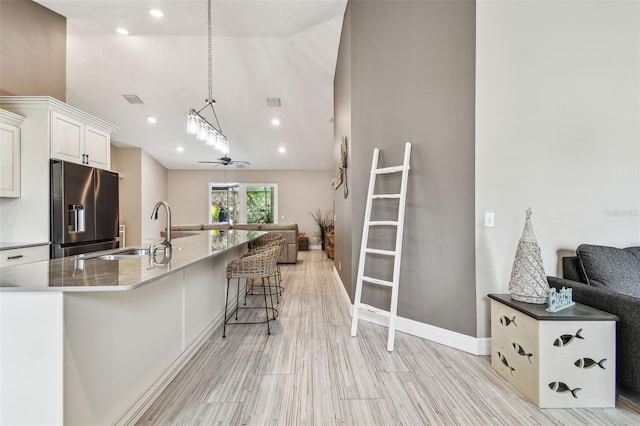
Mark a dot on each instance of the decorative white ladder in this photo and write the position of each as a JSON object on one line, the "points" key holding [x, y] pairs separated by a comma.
{"points": [[396, 253]]}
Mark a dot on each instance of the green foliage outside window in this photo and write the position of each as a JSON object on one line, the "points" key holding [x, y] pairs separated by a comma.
{"points": [[260, 204]]}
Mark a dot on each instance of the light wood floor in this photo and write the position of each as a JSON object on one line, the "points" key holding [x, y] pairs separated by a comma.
{"points": [[311, 372]]}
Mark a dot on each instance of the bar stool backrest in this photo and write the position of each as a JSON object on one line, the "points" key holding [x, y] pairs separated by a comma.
{"points": [[264, 240]]}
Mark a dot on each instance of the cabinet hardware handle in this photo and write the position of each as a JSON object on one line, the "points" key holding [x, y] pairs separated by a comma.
{"points": [[18, 256]]}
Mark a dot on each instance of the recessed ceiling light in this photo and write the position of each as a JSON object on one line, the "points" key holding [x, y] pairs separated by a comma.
{"points": [[152, 120], [156, 13], [282, 150], [122, 31], [180, 149], [275, 122]]}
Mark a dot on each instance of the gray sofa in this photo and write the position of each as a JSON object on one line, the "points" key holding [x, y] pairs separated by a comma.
{"points": [[608, 278], [288, 230]]}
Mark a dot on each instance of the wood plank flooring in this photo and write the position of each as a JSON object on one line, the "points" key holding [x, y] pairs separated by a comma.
{"points": [[311, 372]]}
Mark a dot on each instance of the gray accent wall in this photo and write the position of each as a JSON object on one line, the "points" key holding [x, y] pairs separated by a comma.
{"points": [[406, 72]]}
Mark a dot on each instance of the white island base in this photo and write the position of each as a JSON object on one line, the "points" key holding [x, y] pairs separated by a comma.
{"points": [[102, 357]]}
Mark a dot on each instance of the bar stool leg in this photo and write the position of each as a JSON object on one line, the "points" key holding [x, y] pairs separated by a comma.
{"points": [[266, 307], [226, 303], [237, 297], [271, 294]]}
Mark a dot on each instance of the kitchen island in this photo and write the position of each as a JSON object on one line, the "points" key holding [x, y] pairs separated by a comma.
{"points": [[95, 339]]}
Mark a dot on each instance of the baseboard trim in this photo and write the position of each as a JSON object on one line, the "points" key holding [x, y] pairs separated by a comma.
{"points": [[473, 345]]}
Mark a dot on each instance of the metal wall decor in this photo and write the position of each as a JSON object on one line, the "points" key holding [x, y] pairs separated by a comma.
{"points": [[342, 171]]}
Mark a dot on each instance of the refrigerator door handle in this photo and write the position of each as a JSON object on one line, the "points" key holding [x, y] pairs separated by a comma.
{"points": [[76, 218]]}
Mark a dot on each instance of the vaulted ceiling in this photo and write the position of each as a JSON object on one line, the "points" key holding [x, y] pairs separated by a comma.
{"points": [[261, 49]]}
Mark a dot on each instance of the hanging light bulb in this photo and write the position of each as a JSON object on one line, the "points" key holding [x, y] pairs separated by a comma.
{"points": [[192, 122], [211, 138], [224, 146], [203, 131]]}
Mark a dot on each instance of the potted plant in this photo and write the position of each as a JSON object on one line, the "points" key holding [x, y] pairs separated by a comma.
{"points": [[323, 221]]}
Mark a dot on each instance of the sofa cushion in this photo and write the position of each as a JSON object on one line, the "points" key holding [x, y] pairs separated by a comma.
{"points": [[610, 267]]}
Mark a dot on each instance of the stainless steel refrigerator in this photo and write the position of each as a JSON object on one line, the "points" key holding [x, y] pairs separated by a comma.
{"points": [[84, 209]]}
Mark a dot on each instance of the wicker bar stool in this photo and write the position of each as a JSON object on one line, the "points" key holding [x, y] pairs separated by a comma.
{"points": [[260, 265], [281, 243]]}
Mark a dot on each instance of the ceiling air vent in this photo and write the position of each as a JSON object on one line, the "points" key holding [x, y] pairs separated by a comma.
{"points": [[133, 99], [273, 102]]}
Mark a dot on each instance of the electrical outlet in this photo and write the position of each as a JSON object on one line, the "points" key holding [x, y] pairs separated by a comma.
{"points": [[339, 266]]}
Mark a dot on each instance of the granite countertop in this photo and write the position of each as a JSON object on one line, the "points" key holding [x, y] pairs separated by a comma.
{"points": [[90, 273], [21, 245]]}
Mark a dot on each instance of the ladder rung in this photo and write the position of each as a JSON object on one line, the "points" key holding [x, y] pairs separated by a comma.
{"points": [[378, 311], [383, 223], [386, 196], [377, 281], [377, 251], [386, 170]]}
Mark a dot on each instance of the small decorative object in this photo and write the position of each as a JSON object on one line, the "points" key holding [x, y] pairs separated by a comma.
{"points": [[343, 159], [324, 221], [342, 171], [528, 281], [560, 300]]}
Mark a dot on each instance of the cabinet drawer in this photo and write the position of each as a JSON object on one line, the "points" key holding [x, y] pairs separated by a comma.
{"points": [[19, 256]]}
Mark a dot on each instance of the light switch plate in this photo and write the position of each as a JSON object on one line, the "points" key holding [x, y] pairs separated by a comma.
{"points": [[489, 219]]}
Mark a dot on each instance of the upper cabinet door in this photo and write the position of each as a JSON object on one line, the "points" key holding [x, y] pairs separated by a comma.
{"points": [[9, 160], [97, 147], [67, 138]]}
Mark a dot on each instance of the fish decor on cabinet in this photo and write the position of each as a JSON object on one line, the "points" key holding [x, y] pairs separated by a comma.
{"points": [[589, 363], [506, 321], [505, 362], [561, 387], [565, 339], [522, 352]]}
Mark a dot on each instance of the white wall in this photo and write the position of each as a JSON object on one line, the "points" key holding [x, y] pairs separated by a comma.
{"points": [[154, 189], [557, 129]]}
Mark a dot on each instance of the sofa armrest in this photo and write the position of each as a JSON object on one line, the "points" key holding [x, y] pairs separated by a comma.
{"points": [[627, 308]]}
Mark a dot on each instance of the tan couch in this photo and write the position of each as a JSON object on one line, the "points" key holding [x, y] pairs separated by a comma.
{"points": [[288, 230]]}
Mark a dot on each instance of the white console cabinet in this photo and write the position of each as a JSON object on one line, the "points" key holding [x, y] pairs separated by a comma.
{"points": [[557, 360], [10, 154]]}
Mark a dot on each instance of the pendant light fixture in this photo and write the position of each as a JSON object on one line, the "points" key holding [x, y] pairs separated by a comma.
{"points": [[197, 125]]}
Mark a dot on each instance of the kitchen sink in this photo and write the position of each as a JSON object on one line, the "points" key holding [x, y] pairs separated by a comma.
{"points": [[137, 251], [127, 253]]}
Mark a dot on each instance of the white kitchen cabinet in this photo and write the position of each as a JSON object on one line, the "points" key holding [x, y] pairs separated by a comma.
{"points": [[18, 256], [10, 154], [74, 140], [50, 129]]}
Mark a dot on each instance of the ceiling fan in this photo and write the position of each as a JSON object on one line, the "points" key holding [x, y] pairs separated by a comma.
{"points": [[226, 161]]}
